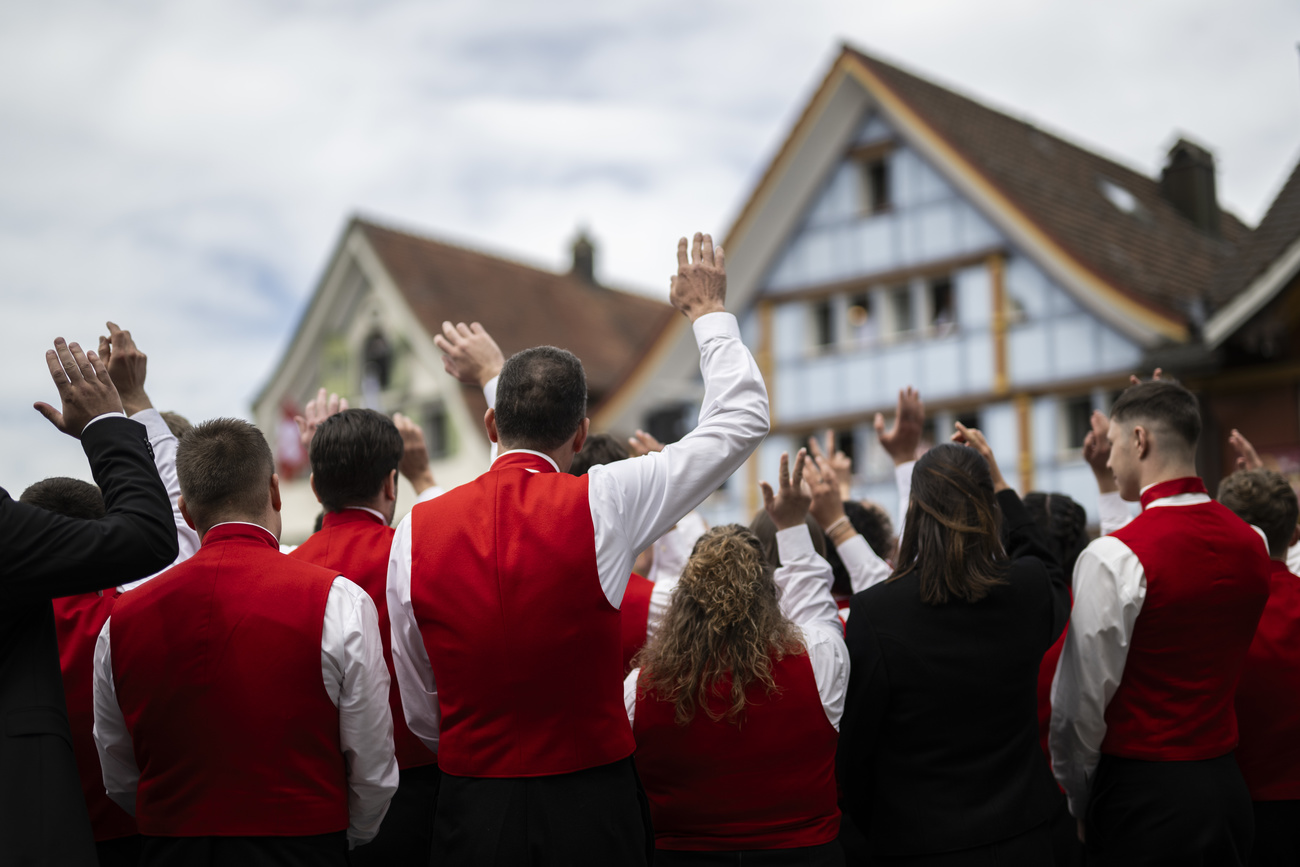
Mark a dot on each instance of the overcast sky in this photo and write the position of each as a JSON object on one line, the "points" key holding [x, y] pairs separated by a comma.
{"points": [[185, 167]]}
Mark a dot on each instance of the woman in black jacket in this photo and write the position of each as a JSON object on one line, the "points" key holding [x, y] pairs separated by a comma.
{"points": [[939, 758]]}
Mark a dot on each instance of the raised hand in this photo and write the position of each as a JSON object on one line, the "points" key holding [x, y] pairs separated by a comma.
{"points": [[469, 353], [700, 286], [789, 505], [904, 437], [127, 366], [1096, 451], [1247, 457], [85, 388], [837, 461], [319, 408], [642, 443], [827, 506], [414, 465], [1155, 377], [975, 439]]}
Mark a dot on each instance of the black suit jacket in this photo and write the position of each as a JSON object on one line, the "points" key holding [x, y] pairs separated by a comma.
{"points": [[939, 747], [43, 817]]}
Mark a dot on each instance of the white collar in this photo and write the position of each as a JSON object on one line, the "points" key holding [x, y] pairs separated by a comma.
{"points": [[550, 460], [246, 524]]}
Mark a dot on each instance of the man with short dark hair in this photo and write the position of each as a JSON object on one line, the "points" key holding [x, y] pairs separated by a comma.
{"points": [[241, 699], [356, 455], [1165, 608], [504, 597], [1268, 695]]}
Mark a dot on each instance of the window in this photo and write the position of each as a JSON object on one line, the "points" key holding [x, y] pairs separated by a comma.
{"points": [[862, 328], [1076, 421], [898, 303], [875, 186], [377, 360], [943, 311], [437, 431], [668, 424], [823, 323], [969, 418]]}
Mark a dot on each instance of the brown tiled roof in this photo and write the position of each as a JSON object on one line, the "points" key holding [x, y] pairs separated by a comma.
{"points": [[520, 305], [1279, 229], [1157, 257]]}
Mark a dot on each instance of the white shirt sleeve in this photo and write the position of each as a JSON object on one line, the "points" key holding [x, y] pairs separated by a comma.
{"points": [[673, 549], [903, 479], [1293, 559], [829, 656], [356, 678], [490, 395], [661, 596], [112, 739], [629, 694], [164, 443], [636, 501], [430, 493], [410, 659], [864, 567], [1110, 586], [1112, 512], [105, 415]]}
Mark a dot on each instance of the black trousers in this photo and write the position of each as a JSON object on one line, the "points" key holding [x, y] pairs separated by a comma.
{"points": [[596, 817], [406, 835], [1030, 849], [1169, 813], [828, 855], [1277, 834], [327, 850], [122, 852]]}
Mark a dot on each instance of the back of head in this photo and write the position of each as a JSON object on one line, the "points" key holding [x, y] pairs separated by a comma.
{"points": [[1165, 407], [352, 453], [599, 449], [178, 424], [71, 498], [1266, 499], [725, 620], [225, 468], [1064, 522], [541, 398], [951, 541], [765, 531]]}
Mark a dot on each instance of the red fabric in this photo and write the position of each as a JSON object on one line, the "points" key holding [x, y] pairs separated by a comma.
{"points": [[1046, 674], [767, 784], [217, 665], [355, 544], [635, 616], [1207, 579], [78, 620], [1268, 696], [525, 647]]}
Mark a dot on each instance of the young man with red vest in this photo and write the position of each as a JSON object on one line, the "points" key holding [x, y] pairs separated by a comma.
{"points": [[241, 698], [504, 596], [1268, 696], [355, 458], [1165, 608]]}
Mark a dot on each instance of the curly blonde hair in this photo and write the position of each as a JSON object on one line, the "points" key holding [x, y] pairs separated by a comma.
{"points": [[724, 626]]}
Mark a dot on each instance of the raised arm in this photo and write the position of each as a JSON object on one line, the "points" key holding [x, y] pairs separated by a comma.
{"points": [[1111, 509], [473, 357], [901, 442], [865, 568], [636, 501], [47, 555]]}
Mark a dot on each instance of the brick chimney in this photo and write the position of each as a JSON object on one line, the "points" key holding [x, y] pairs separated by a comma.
{"points": [[1187, 182], [584, 258]]}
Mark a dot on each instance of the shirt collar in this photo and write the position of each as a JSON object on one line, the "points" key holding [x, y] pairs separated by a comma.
{"points": [[521, 461], [1172, 488], [247, 529], [353, 513]]}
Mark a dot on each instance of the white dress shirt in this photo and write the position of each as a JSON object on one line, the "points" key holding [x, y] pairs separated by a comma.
{"points": [[1112, 512], [356, 678], [903, 479], [633, 502], [671, 553], [1293, 559], [1110, 586], [804, 581], [164, 444]]}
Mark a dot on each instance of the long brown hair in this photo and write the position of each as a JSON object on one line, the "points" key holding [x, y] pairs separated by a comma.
{"points": [[725, 622], [952, 541]]}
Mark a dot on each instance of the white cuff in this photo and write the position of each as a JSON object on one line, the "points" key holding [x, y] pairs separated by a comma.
{"points": [[105, 415], [794, 542], [720, 324]]}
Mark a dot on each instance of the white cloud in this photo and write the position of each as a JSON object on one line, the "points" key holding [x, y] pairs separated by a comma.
{"points": [[185, 167]]}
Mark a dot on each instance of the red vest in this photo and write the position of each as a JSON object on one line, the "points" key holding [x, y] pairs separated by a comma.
{"points": [[767, 784], [525, 647], [1207, 579], [78, 620], [355, 544], [217, 666], [1268, 696], [1046, 674], [635, 616]]}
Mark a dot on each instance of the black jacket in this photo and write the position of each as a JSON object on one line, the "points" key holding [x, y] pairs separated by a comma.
{"points": [[939, 747], [43, 817]]}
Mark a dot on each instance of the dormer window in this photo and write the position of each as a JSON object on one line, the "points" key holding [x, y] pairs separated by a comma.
{"points": [[1122, 199], [376, 369], [876, 196]]}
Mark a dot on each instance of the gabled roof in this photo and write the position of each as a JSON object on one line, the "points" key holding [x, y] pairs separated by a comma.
{"points": [[520, 305]]}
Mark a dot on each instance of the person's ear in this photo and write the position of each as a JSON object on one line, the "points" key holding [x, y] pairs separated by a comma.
{"points": [[1141, 441], [311, 480], [275, 492], [490, 422], [185, 512], [390, 487], [581, 436]]}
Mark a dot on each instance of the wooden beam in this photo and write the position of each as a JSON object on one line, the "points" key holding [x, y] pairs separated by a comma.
{"points": [[1024, 420], [997, 281]]}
